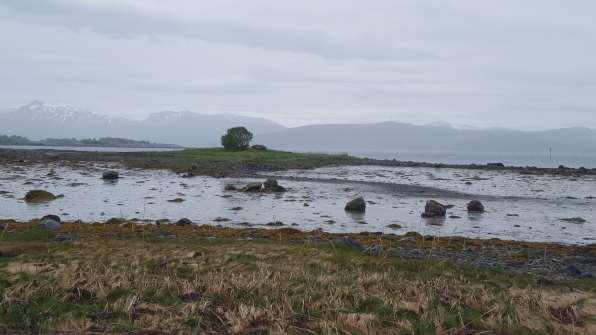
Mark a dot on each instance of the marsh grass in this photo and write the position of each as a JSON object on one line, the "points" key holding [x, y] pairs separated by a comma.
{"points": [[218, 160], [185, 285]]}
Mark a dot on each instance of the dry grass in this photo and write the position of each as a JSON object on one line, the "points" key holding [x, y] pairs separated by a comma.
{"points": [[183, 286]]}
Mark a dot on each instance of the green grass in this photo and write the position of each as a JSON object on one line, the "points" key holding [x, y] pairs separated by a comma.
{"points": [[208, 160], [135, 283]]}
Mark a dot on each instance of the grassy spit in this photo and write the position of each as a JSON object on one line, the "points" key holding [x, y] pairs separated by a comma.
{"points": [[203, 161], [204, 279]]}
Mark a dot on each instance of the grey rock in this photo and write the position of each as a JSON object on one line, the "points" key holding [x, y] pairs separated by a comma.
{"points": [[434, 209], [110, 175], [575, 220], [253, 187], [49, 224], [183, 222], [356, 205], [475, 206], [51, 217]]}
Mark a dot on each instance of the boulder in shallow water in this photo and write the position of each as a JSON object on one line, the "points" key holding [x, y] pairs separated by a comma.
{"points": [[230, 187], [475, 206], [110, 175], [434, 209], [39, 196], [270, 183], [356, 205]]}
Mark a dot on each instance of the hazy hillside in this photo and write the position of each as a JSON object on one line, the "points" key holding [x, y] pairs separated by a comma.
{"points": [[392, 136], [38, 120]]}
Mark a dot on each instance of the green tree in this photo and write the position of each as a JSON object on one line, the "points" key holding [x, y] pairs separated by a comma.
{"points": [[237, 138]]}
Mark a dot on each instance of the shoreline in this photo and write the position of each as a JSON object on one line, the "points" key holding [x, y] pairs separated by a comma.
{"points": [[249, 167], [539, 259]]}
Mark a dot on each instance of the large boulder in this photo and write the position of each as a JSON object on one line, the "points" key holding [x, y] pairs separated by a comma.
{"points": [[434, 209], [272, 185], [475, 206], [39, 196], [110, 175], [356, 205]]}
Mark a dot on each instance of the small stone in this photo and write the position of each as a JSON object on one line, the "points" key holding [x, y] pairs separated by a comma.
{"points": [[475, 206], [51, 217], [49, 224], [110, 175], [183, 222]]}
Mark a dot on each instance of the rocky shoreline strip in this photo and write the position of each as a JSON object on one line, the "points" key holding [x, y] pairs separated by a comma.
{"points": [[248, 168], [545, 262]]}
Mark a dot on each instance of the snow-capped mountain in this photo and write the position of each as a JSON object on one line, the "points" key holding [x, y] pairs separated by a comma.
{"points": [[38, 120]]}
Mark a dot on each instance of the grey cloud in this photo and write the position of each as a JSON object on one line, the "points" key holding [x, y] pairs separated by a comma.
{"points": [[125, 22]]}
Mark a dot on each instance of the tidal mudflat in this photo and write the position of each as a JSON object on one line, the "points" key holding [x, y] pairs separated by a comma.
{"points": [[518, 207]]}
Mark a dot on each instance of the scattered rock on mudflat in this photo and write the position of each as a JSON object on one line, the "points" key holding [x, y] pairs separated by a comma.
{"points": [[253, 187], [51, 217], [49, 224], [356, 205], [110, 175], [39, 196], [272, 185], [176, 200], [475, 206], [183, 222], [434, 209], [574, 220], [275, 224], [394, 226]]}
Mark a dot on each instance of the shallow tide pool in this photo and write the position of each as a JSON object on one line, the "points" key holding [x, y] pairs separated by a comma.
{"points": [[150, 194]]}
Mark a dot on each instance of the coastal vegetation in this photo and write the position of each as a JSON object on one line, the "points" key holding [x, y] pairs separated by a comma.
{"points": [[237, 138], [86, 142], [129, 278]]}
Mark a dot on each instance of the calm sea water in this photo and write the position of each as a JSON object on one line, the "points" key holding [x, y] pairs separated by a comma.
{"points": [[90, 149], [507, 158]]}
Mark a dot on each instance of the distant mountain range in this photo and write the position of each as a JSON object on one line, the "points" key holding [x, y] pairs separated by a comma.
{"points": [[393, 137], [38, 120]]}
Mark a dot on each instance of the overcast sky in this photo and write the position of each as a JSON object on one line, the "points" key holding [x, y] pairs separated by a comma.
{"points": [[527, 64]]}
